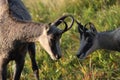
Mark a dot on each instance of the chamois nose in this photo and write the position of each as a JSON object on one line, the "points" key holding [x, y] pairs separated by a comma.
{"points": [[57, 56], [78, 55], [81, 56]]}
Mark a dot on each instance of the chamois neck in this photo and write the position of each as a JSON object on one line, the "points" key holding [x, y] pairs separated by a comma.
{"points": [[30, 31], [22, 30], [106, 40]]}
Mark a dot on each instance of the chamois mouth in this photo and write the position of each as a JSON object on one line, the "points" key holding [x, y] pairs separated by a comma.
{"points": [[81, 56], [55, 57]]}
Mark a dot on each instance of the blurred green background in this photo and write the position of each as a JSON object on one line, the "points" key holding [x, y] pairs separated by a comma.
{"points": [[100, 65]]}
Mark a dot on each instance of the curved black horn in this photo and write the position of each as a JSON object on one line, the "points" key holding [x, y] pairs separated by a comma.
{"points": [[60, 20], [66, 26], [91, 25], [86, 25], [81, 27]]}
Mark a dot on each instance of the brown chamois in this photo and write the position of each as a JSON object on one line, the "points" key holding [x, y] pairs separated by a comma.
{"points": [[18, 10], [26, 31]]}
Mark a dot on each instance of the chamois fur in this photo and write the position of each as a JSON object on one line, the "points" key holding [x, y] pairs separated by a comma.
{"points": [[11, 38], [14, 33], [25, 31], [19, 11], [92, 40]]}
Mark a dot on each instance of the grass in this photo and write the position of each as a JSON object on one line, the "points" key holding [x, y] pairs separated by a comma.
{"points": [[100, 65]]}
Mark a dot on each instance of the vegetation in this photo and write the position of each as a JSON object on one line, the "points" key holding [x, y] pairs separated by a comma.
{"points": [[100, 65]]}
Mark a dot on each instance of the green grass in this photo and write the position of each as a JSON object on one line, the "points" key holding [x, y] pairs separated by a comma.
{"points": [[100, 65]]}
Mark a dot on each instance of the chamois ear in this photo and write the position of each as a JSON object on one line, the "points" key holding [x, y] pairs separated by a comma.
{"points": [[92, 28]]}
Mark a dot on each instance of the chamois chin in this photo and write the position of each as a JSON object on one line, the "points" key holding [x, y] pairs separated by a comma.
{"points": [[91, 40], [26, 31]]}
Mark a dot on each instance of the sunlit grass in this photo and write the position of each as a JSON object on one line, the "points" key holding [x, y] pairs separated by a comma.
{"points": [[100, 65]]}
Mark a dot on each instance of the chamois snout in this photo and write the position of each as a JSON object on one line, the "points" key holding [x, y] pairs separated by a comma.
{"points": [[80, 56], [58, 56]]}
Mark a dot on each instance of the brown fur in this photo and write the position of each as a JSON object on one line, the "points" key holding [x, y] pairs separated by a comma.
{"points": [[25, 31], [14, 33]]}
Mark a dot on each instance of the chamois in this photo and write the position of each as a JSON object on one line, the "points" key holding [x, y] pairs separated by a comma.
{"points": [[18, 10], [14, 41], [91, 40]]}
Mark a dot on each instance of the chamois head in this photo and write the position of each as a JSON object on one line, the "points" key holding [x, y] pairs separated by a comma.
{"points": [[87, 39], [54, 34]]}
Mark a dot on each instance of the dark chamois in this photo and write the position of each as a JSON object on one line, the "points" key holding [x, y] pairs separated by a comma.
{"points": [[91, 40]]}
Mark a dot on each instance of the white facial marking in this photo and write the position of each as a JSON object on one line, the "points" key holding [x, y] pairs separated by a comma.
{"points": [[45, 44]]}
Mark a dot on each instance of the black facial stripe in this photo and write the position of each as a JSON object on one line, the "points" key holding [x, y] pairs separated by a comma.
{"points": [[53, 45], [87, 47]]}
